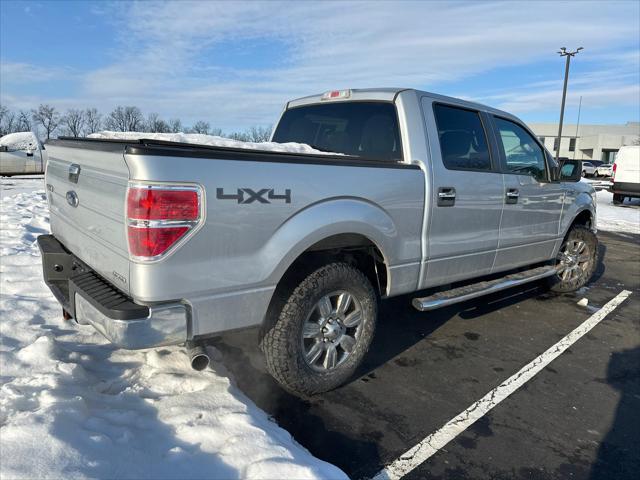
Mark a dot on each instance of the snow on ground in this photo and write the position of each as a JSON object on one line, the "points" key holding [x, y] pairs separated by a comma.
{"points": [[20, 141], [618, 218], [615, 218], [73, 406], [20, 184], [210, 140]]}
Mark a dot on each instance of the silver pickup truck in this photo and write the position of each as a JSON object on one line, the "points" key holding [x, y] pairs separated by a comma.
{"points": [[156, 243]]}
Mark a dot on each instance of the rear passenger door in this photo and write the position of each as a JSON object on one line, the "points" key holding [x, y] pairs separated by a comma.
{"points": [[533, 204], [466, 194]]}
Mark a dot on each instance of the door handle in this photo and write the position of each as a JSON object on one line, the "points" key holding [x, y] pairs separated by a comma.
{"points": [[446, 196], [512, 195]]}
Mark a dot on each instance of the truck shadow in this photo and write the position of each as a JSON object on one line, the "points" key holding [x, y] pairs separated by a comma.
{"points": [[618, 454], [336, 426], [306, 419]]}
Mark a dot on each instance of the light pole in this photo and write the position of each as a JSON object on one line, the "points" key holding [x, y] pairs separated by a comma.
{"points": [[563, 53]]}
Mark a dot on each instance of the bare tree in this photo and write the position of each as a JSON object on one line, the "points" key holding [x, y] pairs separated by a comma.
{"points": [[93, 120], [259, 134], [48, 117], [216, 132], [201, 127], [155, 124], [240, 136], [125, 119], [74, 121], [24, 122], [7, 121], [175, 125]]}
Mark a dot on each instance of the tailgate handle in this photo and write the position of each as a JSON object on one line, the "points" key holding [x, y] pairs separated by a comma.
{"points": [[74, 172]]}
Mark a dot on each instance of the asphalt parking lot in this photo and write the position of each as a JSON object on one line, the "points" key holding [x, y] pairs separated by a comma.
{"points": [[578, 418]]}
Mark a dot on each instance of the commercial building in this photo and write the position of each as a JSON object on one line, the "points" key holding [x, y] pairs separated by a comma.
{"points": [[588, 142]]}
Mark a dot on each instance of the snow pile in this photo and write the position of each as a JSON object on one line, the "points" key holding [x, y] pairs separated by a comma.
{"points": [[20, 141], [617, 218], [211, 140], [72, 406]]}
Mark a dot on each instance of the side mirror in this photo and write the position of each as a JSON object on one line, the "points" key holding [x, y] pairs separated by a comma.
{"points": [[571, 171]]}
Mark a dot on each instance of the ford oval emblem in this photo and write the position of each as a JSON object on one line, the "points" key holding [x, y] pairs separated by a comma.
{"points": [[72, 198]]}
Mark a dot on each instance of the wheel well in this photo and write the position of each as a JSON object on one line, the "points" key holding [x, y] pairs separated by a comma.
{"points": [[583, 218], [354, 249]]}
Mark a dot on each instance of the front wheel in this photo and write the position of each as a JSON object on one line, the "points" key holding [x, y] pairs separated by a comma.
{"points": [[576, 261], [323, 332], [618, 199]]}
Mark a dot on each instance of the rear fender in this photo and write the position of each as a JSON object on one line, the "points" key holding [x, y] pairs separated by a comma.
{"points": [[325, 219]]}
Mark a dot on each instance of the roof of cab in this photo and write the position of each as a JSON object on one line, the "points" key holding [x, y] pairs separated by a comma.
{"points": [[389, 95]]}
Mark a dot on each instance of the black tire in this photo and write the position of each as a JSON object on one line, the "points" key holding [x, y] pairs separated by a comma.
{"points": [[618, 199], [586, 261], [584, 173], [282, 340]]}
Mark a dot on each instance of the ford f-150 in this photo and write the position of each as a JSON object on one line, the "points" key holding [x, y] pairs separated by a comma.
{"points": [[156, 243]]}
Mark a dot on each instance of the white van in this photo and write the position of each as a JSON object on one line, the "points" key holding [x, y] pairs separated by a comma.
{"points": [[21, 153], [626, 174]]}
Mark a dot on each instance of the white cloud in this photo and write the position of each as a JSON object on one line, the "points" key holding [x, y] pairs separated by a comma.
{"points": [[166, 62], [20, 73]]}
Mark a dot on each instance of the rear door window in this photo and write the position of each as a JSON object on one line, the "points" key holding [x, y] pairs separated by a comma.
{"points": [[364, 129], [463, 142]]}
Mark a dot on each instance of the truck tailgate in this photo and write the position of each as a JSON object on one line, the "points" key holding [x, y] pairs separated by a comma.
{"points": [[87, 211]]}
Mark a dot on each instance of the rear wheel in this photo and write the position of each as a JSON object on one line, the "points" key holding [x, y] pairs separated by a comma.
{"points": [[323, 331], [577, 260], [618, 199]]}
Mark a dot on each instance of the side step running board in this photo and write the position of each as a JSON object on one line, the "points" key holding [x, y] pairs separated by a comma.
{"points": [[461, 294]]}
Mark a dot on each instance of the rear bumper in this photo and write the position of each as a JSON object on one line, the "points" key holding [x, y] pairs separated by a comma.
{"points": [[91, 300], [626, 188]]}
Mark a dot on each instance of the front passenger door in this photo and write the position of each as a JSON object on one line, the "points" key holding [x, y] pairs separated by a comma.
{"points": [[532, 203]]}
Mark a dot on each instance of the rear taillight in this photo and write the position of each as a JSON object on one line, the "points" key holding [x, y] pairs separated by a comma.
{"points": [[159, 217], [613, 173]]}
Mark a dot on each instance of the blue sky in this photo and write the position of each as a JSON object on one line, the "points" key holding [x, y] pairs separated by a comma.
{"points": [[235, 64]]}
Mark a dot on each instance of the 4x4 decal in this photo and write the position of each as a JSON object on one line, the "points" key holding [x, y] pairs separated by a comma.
{"points": [[248, 195]]}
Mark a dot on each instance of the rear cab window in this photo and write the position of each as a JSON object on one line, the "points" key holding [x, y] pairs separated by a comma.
{"points": [[363, 129], [463, 141]]}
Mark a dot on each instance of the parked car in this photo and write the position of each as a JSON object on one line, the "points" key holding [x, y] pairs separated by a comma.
{"points": [[157, 243], [604, 170], [21, 153], [626, 174], [588, 169]]}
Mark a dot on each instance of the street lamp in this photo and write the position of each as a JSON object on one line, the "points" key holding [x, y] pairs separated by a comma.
{"points": [[564, 53]]}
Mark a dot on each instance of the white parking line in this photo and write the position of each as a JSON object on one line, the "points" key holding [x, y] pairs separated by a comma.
{"points": [[434, 442]]}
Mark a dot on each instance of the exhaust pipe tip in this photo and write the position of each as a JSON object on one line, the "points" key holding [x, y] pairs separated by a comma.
{"points": [[199, 357]]}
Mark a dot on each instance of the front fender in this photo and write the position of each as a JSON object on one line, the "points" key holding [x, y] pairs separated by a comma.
{"points": [[576, 204]]}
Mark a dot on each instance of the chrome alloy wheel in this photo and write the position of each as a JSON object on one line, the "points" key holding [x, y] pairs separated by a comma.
{"points": [[573, 259], [331, 330]]}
